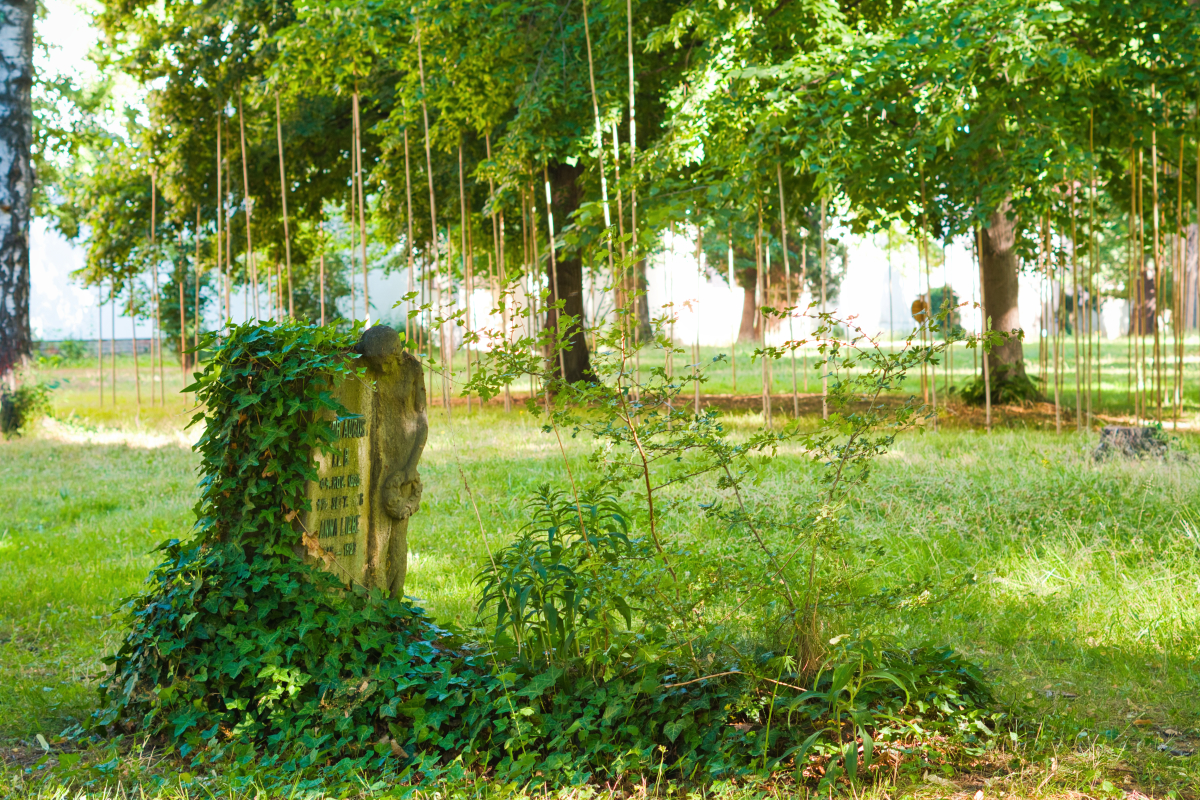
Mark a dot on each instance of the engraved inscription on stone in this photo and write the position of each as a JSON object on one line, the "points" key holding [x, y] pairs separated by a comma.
{"points": [[367, 484]]}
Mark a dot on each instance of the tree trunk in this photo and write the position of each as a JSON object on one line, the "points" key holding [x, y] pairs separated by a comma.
{"points": [[1148, 301], [645, 331], [566, 195], [16, 185], [747, 332], [998, 259]]}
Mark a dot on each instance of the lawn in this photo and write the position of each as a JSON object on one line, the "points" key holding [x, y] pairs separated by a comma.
{"points": [[1074, 584]]}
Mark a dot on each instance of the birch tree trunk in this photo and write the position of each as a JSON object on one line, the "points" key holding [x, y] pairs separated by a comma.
{"points": [[16, 183]]}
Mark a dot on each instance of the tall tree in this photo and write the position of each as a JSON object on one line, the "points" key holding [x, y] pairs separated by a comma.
{"points": [[16, 185]]}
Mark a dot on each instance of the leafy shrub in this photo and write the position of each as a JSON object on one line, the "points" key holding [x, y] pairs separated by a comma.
{"points": [[73, 350], [1007, 388], [70, 351], [563, 588], [21, 406]]}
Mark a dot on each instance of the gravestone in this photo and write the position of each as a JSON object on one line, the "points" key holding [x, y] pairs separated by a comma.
{"points": [[1130, 442], [366, 490]]}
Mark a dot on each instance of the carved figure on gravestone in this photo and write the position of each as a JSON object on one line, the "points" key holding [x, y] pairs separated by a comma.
{"points": [[367, 487], [398, 431]]}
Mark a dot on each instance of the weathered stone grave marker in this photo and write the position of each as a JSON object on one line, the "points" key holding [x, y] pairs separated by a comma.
{"points": [[369, 486]]}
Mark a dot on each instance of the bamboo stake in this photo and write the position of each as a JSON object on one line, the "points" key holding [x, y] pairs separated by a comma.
{"points": [[525, 283], [800, 291], [100, 339], [462, 219], [250, 262], [220, 209], [985, 357], [587, 33], [1177, 292], [670, 354], [537, 260], [408, 334], [696, 314], [196, 298], [787, 272], [824, 273], [770, 362], [928, 319], [470, 295], [975, 280], [759, 245], [321, 266], [1059, 329], [432, 215], [975, 302], [1093, 268], [1158, 274], [153, 277], [1140, 290], [928, 294], [637, 300], [362, 204], [1075, 310], [112, 341], [733, 289], [182, 336], [137, 375], [498, 244], [246, 289], [1129, 296], [287, 238], [351, 214], [947, 306], [624, 279]]}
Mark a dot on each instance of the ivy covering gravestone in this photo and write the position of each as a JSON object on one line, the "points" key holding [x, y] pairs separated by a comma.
{"points": [[242, 637]]}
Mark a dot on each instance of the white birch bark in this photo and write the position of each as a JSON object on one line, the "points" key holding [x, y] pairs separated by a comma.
{"points": [[16, 177]]}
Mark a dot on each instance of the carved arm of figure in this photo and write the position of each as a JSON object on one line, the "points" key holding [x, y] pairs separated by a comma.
{"points": [[402, 488]]}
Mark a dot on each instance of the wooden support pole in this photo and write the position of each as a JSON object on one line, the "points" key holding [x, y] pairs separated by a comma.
{"points": [[408, 241], [287, 237], [100, 339], [250, 263], [787, 273], [462, 230], [362, 202], [986, 358], [432, 213]]}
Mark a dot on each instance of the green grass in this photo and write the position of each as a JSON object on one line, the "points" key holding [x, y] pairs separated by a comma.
{"points": [[1084, 610]]}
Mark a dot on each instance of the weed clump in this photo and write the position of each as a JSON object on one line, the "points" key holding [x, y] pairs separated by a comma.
{"points": [[20, 406], [1008, 388]]}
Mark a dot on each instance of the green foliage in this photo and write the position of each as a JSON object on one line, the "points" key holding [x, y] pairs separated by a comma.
{"points": [[20, 406], [237, 641], [68, 352], [945, 303], [596, 665], [563, 588]]}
